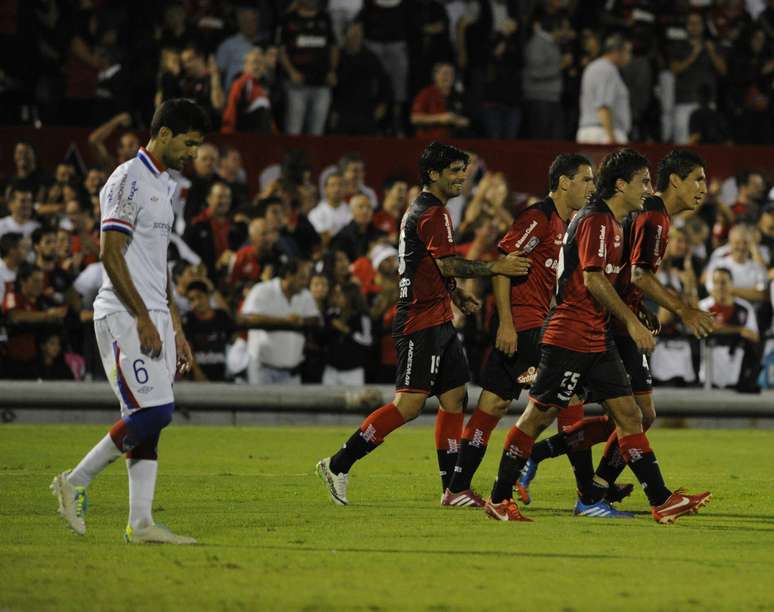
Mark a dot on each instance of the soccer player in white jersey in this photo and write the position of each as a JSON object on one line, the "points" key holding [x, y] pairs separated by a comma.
{"points": [[138, 328]]}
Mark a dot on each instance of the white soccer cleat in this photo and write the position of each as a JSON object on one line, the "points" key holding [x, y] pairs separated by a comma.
{"points": [[73, 502], [335, 483], [155, 534]]}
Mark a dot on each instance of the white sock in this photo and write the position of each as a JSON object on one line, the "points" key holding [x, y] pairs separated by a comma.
{"points": [[98, 458], [142, 484]]}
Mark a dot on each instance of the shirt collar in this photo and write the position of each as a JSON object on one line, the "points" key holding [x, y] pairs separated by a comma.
{"points": [[150, 162]]}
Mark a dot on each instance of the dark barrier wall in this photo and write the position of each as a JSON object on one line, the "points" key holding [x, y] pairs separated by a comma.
{"points": [[525, 163]]}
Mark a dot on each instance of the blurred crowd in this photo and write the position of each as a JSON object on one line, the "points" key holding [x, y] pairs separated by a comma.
{"points": [[666, 70], [298, 282]]}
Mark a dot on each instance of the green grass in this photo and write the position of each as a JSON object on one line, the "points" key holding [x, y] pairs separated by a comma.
{"points": [[271, 540]]}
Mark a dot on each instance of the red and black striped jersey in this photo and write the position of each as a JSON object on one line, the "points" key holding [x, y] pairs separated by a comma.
{"points": [[646, 234], [593, 242], [537, 232], [425, 235]]}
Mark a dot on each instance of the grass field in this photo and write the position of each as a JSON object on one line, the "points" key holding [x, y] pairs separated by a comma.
{"points": [[271, 540]]}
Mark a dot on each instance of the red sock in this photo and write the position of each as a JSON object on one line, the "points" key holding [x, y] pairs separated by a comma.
{"points": [[479, 428], [633, 447], [381, 422], [588, 432], [612, 445], [448, 429], [518, 444], [569, 416]]}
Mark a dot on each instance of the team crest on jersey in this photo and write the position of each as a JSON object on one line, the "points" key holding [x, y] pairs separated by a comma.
{"points": [[530, 246], [617, 241], [559, 239]]}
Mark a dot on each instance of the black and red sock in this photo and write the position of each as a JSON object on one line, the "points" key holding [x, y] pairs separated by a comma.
{"points": [[448, 430], [475, 438], [516, 451], [638, 455]]}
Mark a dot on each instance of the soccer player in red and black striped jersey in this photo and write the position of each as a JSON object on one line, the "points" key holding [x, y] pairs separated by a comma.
{"points": [[682, 185], [431, 360], [522, 306], [577, 349]]}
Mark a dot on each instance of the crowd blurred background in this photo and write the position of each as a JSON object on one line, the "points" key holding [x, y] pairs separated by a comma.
{"points": [[293, 277]]}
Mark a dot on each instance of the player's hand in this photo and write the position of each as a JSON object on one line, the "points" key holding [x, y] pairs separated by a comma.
{"points": [[466, 302], [641, 336], [698, 322], [512, 264], [649, 320], [150, 341], [507, 339], [185, 359]]}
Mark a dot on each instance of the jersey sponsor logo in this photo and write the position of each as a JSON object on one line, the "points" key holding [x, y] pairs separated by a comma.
{"points": [[404, 285], [602, 232], [369, 434], [533, 242], [448, 228], [409, 363], [164, 228], [306, 41], [552, 263], [611, 269], [477, 441], [526, 234], [657, 246]]}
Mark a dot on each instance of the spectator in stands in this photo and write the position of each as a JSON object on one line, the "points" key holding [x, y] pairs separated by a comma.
{"points": [[248, 108], [93, 182], [283, 304], [735, 351], [362, 94], [357, 237], [543, 81], [707, 125], [766, 228], [28, 316], [310, 58], [259, 258], [491, 198], [83, 230], [388, 217], [605, 113], [199, 80], [231, 54], [12, 255], [349, 337], [752, 75], [752, 189], [208, 234], [51, 363], [20, 220], [483, 246], [385, 29], [332, 213], [694, 62], [749, 277], [429, 41], [59, 192], [27, 176], [204, 175], [231, 171], [57, 280], [352, 168], [174, 29], [437, 111], [127, 146], [316, 336], [209, 332]]}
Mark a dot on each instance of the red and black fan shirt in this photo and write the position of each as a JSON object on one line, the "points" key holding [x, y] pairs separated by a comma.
{"points": [[593, 242], [425, 235], [537, 232]]}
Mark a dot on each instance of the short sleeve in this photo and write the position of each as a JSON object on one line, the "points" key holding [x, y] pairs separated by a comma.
{"points": [[309, 306], [119, 202], [252, 303], [648, 240], [526, 232], [435, 230], [750, 321], [591, 236]]}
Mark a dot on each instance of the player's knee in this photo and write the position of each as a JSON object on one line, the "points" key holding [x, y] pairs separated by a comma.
{"points": [[409, 405], [492, 404]]}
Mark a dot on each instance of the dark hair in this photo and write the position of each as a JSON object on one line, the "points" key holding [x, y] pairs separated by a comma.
{"points": [[180, 115], [197, 285], [621, 164], [350, 158], [680, 162], [614, 42], [390, 181], [43, 230], [354, 297], [16, 190], [25, 271], [438, 156], [565, 164], [262, 206], [217, 182], [288, 266], [8, 242], [724, 270], [329, 176], [294, 166]]}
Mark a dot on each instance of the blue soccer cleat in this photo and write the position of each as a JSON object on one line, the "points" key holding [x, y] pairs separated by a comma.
{"points": [[522, 485], [601, 509]]}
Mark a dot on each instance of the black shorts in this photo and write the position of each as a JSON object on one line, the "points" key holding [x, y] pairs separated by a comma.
{"points": [[499, 373], [563, 372], [636, 365], [431, 360]]}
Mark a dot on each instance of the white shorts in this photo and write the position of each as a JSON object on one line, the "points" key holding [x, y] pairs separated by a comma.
{"points": [[137, 380]]}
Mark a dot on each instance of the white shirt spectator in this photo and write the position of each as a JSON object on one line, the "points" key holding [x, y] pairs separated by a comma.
{"points": [[88, 283], [7, 277], [8, 224], [602, 86], [277, 349], [230, 57], [748, 275], [327, 219]]}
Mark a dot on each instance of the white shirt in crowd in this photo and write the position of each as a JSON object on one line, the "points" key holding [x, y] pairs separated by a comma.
{"points": [[137, 201], [88, 282], [9, 225], [329, 219], [277, 349], [749, 275], [6, 278]]}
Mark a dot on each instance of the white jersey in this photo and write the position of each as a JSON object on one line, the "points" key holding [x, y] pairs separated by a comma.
{"points": [[137, 201]]}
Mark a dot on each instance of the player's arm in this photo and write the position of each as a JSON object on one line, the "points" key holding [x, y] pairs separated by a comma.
{"points": [[457, 266], [185, 358], [507, 339], [698, 322], [599, 287], [750, 294], [100, 135], [112, 247]]}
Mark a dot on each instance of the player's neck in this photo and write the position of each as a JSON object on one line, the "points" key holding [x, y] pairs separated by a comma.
{"points": [[561, 206], [671, 202], [436, 191], [617, 206], [156, 149]]}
